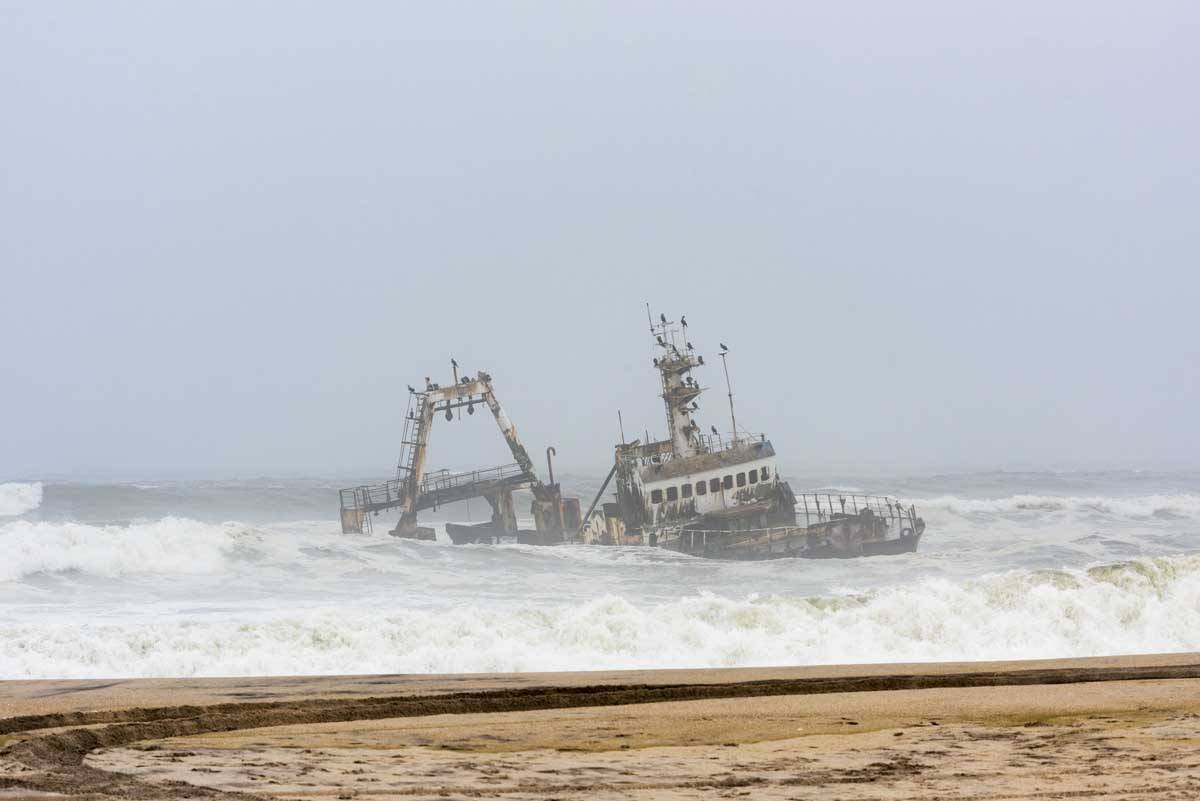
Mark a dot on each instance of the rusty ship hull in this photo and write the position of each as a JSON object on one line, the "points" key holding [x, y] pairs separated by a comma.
{"points": [[818, 528], [492, 534], [843, 536]]}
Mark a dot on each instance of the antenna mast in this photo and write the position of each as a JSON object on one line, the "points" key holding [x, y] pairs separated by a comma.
{"points": [[729, 388]]}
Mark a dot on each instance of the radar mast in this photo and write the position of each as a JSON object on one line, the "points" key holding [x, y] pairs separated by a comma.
{"points": [[679, 390]]}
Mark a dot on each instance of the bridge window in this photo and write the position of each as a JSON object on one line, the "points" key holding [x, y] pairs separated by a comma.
{"points": [[727, 483], [741, 479], [672, 493], [765, 473], [687, 490], [753, 476], [701, 488], [655, 496], [714, 485]]}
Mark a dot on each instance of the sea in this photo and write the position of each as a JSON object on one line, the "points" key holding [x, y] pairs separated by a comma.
{"points": [[254, 577]]}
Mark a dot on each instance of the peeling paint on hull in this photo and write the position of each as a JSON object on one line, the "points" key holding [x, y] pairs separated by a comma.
{"points": [[847, 537]]}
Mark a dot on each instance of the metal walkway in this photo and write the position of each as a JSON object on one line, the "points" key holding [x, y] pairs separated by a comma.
{"points": [[437, 489]]}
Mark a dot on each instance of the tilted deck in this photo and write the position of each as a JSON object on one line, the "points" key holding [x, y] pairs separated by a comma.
{"points": [[835, 526], [437, 489]]}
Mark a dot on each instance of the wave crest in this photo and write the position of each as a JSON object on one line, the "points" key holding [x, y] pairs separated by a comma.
{"points": [[17, 498], [1143, 506], [170, 545], [1141, 606]]}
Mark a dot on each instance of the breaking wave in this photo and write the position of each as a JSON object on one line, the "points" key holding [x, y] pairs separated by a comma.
{"points": [[1144, 506], [19, 498], [1139, 606], [170, 545]]}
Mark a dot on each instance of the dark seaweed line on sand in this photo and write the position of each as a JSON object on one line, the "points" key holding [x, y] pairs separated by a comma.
{"points": [[131, 725]]}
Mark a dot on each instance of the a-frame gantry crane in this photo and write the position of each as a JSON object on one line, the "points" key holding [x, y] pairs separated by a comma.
{"points": [[414, 490]]}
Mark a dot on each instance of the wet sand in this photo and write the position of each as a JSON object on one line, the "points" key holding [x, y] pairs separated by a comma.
{"points": [[1108, 728]]}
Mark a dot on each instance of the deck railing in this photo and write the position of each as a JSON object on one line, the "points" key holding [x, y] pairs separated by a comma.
{"points": [[662, 452], [820, 507], [716, 443], [444, 480], [368, 498], [812, 508]]}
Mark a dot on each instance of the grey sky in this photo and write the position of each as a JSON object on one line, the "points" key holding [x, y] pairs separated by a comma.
{"points": [[935, 234]]}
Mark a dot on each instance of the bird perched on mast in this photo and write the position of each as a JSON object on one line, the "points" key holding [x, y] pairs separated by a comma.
{"points": [[724, 347]]}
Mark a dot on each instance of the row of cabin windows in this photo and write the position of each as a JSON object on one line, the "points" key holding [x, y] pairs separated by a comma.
{"points": [[712, 485]]}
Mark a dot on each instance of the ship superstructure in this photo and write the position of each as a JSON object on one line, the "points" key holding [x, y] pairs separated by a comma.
{"points": [[720, 494]]}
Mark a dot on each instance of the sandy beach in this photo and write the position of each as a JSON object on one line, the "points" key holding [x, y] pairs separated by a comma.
{"points": [[1125, 727]]}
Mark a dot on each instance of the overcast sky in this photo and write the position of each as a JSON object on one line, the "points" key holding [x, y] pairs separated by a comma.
{"points": [[934, 235]]}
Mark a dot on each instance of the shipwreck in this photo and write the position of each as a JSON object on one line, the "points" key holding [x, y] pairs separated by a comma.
{"points": [[701, 492], [720, 495]]}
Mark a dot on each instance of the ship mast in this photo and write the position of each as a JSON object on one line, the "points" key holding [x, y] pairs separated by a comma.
{"points": [[729, 387], [679, 389]]}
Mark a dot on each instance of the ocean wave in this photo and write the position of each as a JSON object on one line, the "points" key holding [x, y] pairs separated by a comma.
{"points": [[1143, 506], [1139, 606], [17, 498], [170, 545]]}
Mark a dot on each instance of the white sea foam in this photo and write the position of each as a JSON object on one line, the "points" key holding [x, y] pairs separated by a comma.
{"points": [[170, 545], [1146, 605], [1142, 506], [181, 597], [18, 498]]}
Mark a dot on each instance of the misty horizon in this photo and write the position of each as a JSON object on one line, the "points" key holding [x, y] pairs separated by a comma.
{"points": [[933, 240]]}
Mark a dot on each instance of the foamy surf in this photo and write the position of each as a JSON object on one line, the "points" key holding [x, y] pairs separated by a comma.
{"points": [[167, 546], [1134, 507], [1147, 605], [1010, 567], [18, 498]]}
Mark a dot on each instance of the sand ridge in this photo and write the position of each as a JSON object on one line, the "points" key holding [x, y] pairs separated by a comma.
{"points": [[892, 729], [44, 696]]}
